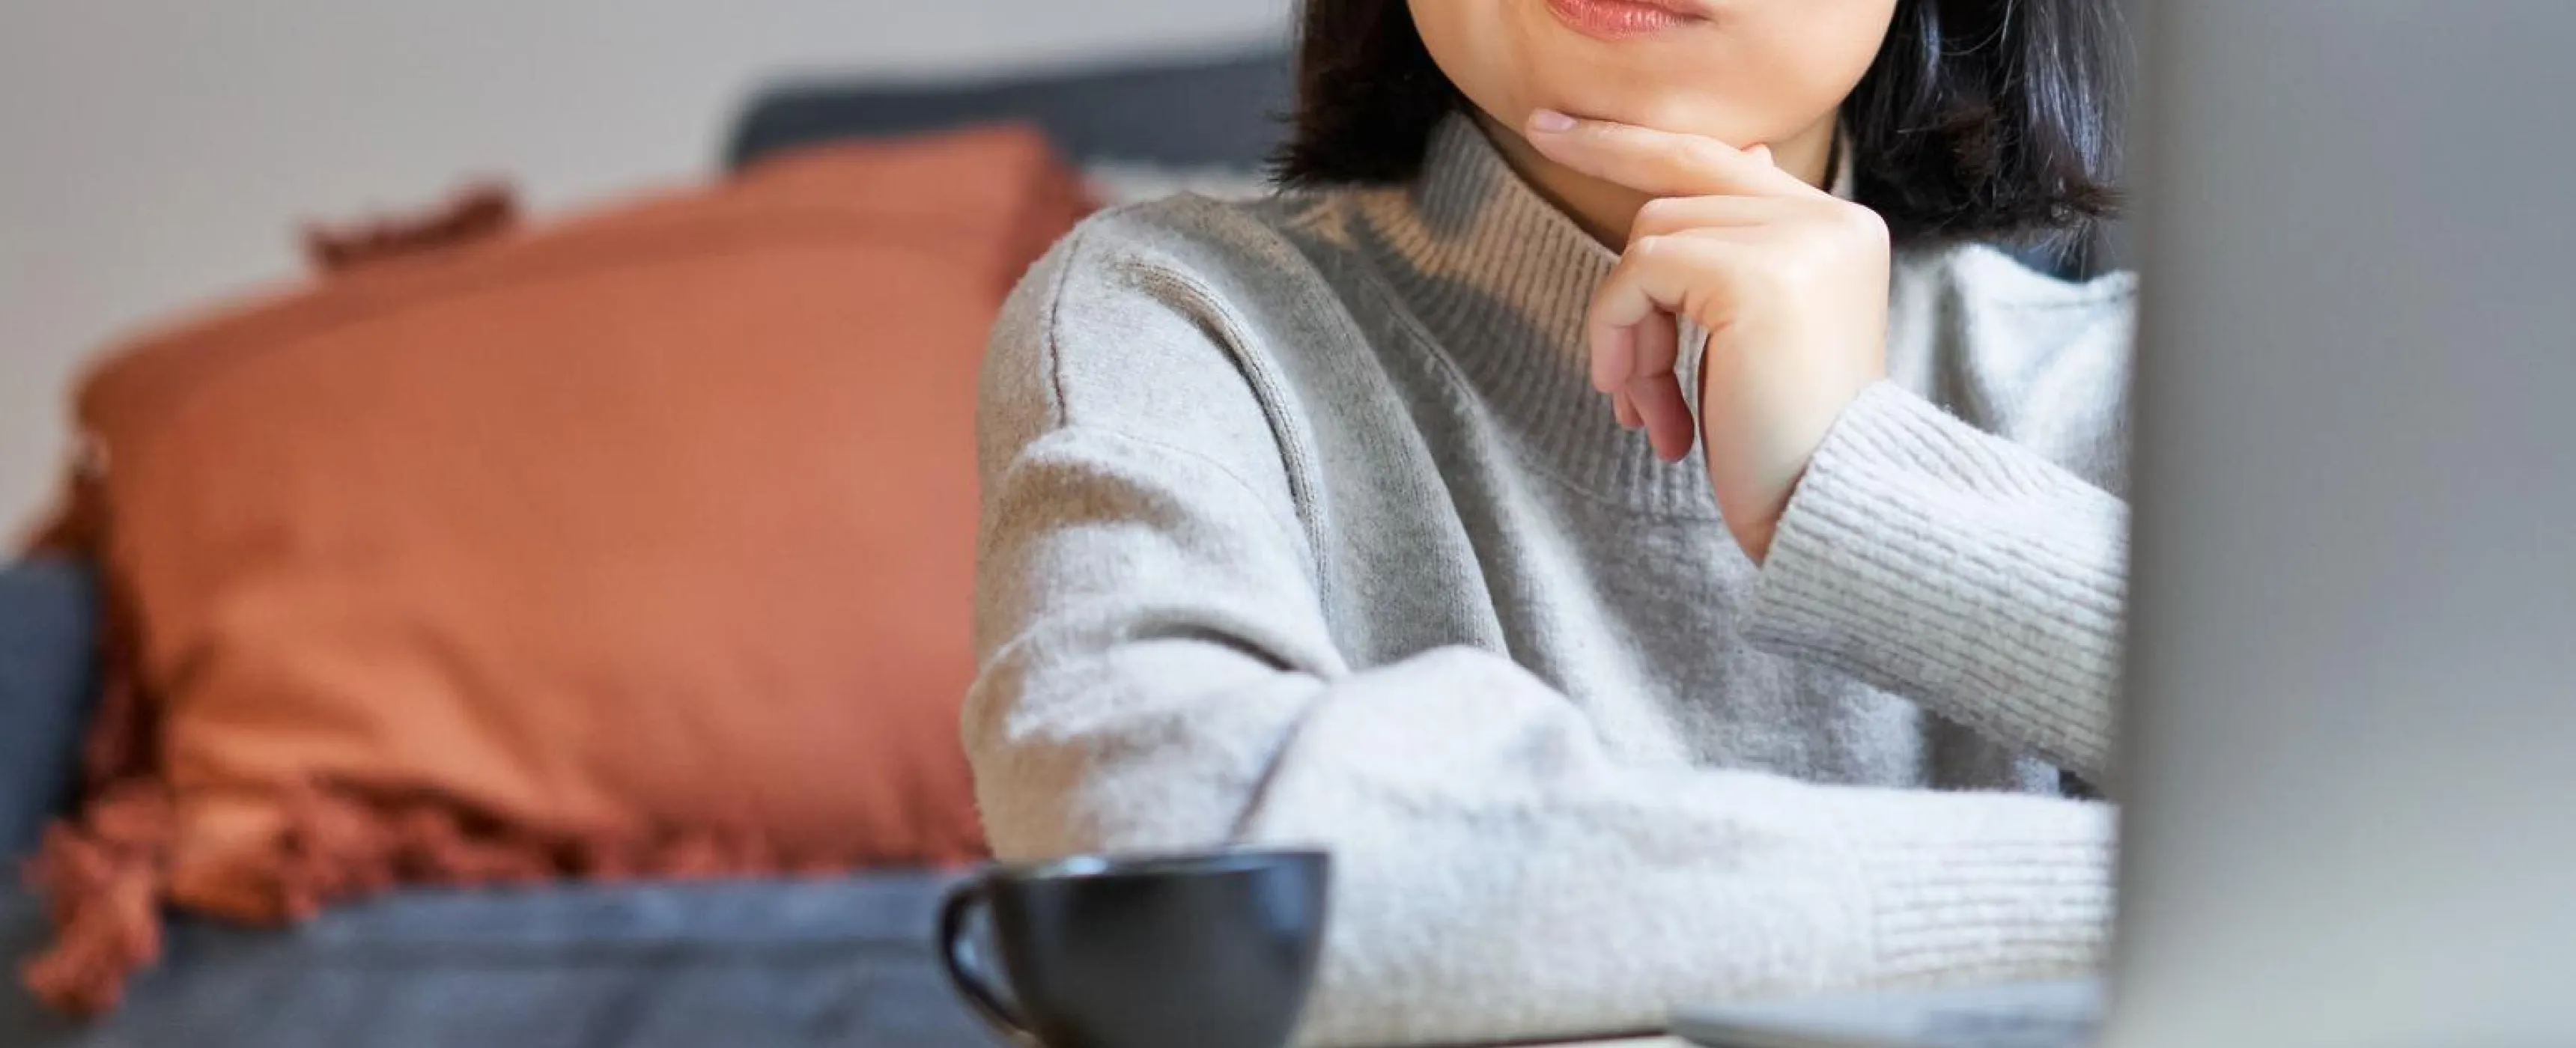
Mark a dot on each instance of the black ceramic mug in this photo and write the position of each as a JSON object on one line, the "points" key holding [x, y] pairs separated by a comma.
{"points": [[1201, 951]]}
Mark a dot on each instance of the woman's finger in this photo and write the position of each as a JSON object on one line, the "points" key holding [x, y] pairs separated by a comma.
{"points": [[1666, 415], [1658, 341], [1665, 216], [1657, 345], [1649, 392], [1614, 355], [1637, 313], [1638, 349], [1626, 409], [1658, 163], [1681, 275]]}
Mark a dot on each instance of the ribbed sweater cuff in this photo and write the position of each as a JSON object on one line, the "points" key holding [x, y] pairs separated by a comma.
{"points": [[1951, 566], [2007, 905]]}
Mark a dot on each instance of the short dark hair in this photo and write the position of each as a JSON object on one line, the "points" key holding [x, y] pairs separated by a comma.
{"points": [[1979, 120]]}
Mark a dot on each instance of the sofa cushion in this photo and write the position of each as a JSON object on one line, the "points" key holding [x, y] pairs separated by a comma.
{"points": [[845, 963], [639, 543]]}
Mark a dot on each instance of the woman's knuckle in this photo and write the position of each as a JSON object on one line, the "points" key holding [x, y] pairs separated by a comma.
{"points": [[1860, 221], [1662, 215], [1697, 154]]}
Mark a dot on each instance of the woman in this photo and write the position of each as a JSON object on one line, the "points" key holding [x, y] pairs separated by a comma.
{"points": [[1602, 500]]}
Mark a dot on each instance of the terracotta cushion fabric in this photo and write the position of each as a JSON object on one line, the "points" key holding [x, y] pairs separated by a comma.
{"points": [[640, 544]]}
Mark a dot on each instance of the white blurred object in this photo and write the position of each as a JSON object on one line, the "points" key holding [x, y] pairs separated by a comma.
{"points": [[1119, 182]]}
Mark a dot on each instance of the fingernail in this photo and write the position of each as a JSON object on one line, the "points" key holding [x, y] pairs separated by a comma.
{"points": [[1549, 121]]}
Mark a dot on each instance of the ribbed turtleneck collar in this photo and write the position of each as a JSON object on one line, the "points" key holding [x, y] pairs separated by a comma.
{"points": [[1500, 280]]}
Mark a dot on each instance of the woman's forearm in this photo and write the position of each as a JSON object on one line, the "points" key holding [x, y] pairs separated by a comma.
{"points": [[1960, 570]]}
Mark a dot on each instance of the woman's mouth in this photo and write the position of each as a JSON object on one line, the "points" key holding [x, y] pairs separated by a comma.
{"points": [[1621, 19]]}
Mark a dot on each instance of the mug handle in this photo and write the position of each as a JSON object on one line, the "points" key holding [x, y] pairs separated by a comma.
{"points": [[962, 900]]}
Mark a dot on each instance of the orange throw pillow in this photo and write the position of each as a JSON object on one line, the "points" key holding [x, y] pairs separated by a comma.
{"points": [[638, 545]]}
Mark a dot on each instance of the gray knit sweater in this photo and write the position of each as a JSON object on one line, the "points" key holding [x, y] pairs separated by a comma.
{"points": [[1303, 525]]}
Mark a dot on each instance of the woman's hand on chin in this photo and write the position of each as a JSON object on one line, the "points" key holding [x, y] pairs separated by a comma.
{"points": [[1790, 282]]}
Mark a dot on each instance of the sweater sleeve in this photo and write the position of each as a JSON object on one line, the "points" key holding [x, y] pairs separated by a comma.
{"points": [[1158, 672], [1959, 569]]}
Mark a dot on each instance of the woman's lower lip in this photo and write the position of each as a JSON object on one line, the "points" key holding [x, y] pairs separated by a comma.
{"points": [[1617, 19]]}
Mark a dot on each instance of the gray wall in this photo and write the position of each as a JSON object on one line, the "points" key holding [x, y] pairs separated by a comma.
{"points": [[156, 152]]}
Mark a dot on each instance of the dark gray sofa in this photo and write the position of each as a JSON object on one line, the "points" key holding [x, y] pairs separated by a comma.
{"points": [[841, 962]]}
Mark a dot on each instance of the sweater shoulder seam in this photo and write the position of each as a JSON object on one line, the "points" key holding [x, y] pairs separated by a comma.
{"points": [[1060, 405]]}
